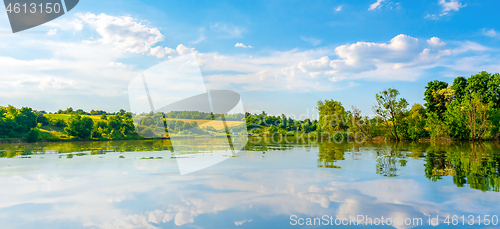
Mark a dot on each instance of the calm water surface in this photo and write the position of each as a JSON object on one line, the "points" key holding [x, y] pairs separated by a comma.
{"points": [[136, 184]]}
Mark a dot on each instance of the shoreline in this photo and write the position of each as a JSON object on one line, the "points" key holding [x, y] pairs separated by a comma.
{"points": [[304, 137]]}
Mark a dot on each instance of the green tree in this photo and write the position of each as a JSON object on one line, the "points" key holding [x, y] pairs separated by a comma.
{"points": [[416, 122], [430, 90], [476, 115], [443, 97], [33, 135], [390, 109], [460, 87], [272, 129], [453, 121], [436, 127], [357, 123], [79, 126], [42, 119], [331, 115]]}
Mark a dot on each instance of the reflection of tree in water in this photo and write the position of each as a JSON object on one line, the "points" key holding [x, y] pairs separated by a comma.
{"points": [[11, 150], [275, 144], [388, 161], [329, 153], [474, 164]]}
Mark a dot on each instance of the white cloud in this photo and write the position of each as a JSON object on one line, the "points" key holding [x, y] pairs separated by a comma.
{"points": [[123, 32], [96, 67], [447, 7], [117, 64], [230, 30], [337, 78], [435, 42], [376, 5], [452, 5], [490, 33], [404, 58], [52, 32], [241, 45], [161, 52], [181, 49], [338, 8], [126, 34], [239, 223], [312, 40]]}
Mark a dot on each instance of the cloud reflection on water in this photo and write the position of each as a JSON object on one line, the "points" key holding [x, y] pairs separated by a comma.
{"points": [[129, 193]]}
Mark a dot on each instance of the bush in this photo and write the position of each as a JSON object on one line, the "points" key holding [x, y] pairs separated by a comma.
{"points": [[147, 132], [58, 123], [79, 126], [33, 135], [42, 119]]}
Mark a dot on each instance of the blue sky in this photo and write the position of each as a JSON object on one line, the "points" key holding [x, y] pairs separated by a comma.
{"points": [[281, 56]]}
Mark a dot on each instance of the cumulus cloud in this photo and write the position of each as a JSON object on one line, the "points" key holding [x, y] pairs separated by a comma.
{"points": [[376, 5], [338, 8], [123, 32], [126, 34], [241, 45], [181, 49], [403, 58], [435, 42], [96, 67], [160, 52]]}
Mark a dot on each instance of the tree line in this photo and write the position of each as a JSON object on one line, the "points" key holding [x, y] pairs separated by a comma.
{"points": [[31, 125], [468, 109]]}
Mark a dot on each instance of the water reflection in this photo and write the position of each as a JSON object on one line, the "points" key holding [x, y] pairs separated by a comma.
{"points": [[329, 153], [475, 164], [252, 190]]}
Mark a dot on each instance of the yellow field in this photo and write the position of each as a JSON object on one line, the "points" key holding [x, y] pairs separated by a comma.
{"points": [[217, 124], [65, 117]]}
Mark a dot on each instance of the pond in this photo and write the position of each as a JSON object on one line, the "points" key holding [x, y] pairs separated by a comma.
{"points": [[269, 184]]}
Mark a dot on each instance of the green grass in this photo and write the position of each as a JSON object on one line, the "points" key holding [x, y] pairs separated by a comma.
{"points": [[65, 117], [48, 128], [53, 133]]}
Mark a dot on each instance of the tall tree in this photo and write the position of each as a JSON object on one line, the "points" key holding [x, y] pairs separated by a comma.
{"points": [[443, 97], [494, 90], [475, 115], [331, 115], [460, 87], [389, 108], [431, 89], [416, 122], [357, 123]]}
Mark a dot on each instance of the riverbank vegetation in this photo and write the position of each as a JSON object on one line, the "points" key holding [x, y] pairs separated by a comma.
{"points": [[468, 109]]}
